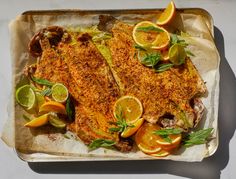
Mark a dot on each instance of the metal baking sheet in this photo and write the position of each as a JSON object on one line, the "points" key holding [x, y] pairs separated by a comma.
{"points": [[43, 157]]}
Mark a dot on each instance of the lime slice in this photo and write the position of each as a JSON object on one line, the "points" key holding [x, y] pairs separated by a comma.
{"points": [[25, 96], [40, 99], [55, 121], [59, 92], [177, 54]]}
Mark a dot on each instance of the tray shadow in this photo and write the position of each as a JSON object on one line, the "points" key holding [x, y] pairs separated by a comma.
{"points": [[209, 168]]}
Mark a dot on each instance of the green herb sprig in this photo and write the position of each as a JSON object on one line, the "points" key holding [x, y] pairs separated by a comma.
{"points": [[42, 81], [149, 28], [151, 59], [70, 108], [138, 47], [163, 67], [121, 123], [164, 133], [198, 137], [46, 92], [101, 143], [189, 53], [26, 118], [176, 40]]}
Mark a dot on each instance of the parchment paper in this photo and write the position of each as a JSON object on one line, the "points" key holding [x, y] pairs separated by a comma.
{"points": [[37, 142]]}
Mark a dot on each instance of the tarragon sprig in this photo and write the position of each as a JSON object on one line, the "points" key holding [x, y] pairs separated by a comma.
{"points": [[151, 59], [101, 143], [176, 40], [120, 123], [150, 28], [164, 133], [42, 81], [198, 137]]}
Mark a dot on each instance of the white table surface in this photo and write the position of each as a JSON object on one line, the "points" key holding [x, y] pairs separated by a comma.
{"points": [[220, 165]]}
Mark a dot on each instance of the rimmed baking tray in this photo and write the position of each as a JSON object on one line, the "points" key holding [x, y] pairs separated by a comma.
{"points": [[47, 157]]}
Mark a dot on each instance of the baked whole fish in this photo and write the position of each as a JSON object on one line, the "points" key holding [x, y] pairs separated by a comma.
{"points": [[170, 98], [84, 71]]}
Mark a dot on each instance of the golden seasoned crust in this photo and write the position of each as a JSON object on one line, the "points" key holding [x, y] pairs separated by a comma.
{"points": [[98, 90], [163, 93]]}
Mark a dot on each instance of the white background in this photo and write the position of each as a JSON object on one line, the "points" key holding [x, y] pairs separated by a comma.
{"points": [[221, 165]]}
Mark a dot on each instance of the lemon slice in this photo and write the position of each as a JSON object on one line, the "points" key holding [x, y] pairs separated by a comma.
{"points": [[25, 96], [59, 93], [39, 121], [148, 34], [55, 121], [167, 15], [129, 107], [177, 54]]}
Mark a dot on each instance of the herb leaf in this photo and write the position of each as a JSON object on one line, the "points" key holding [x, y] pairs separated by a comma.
{"points": [[42, 81], [27, 119], [70, 108], [164, 133], [189, 53], [163, 67], [121, 123], [101, 143], [166, 138], [168, 131], [46, 92], [139, 47], [151, 59], [176, 40], [149, 28], [198, 137]]}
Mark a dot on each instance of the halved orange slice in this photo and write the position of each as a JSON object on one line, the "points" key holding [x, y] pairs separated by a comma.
{"points": [[131, 130], [167, 15], [146, 140], [128, 107], [39, 121], [162, 153], [164, 54], [149, 35], [175, 140], [52, 106]]}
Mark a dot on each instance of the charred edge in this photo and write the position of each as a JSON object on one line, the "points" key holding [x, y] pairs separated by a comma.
{"points": [[124, 145], [54, 34], [106, 23]]}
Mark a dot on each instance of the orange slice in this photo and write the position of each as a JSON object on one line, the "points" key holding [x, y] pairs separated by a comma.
{"points": [[39, 121], [131, 130], [161, 153], [149, 150], [165, 54], [52, 106], [128, 107], [146, 140], [148, 34], [175, 140], [167, 15], [169, 148]]}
